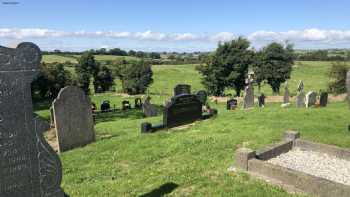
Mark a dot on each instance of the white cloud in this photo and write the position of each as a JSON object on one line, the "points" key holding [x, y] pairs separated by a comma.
{"points": [[305, 38]]}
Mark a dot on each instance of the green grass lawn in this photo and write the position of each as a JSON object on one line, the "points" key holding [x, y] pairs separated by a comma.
{"points": [[123, 162], [62, 59]]}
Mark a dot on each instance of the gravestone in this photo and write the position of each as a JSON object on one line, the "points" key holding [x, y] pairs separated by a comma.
{"points": [[348, 86], [138, 103], [323, 99], [311, 98], [202, 96], [231, 104], [261, 100], [29, 166], [300, 98], [149, 109], [248, 99], [182, 109], [182, 89], [126, 105], [73, 119], [105, 106], [286, 94]]}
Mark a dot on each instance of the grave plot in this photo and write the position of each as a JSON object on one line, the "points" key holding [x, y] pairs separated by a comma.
{"points": [[300, 166]]}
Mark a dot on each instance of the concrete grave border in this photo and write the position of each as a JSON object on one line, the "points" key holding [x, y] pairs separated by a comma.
{"points": [[292, 180]]}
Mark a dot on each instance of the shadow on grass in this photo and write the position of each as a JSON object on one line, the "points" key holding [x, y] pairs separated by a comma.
{"points": [[166, 188]]}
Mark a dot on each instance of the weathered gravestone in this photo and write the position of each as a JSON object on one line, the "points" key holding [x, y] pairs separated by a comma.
{"points": [[348, 86], [29, 166], [202, 96], [182, 109], [182, 89], [311, 98], [73, 119], [248, 99], [323, 99], [286, 94], [300, 98], [149, 109]]}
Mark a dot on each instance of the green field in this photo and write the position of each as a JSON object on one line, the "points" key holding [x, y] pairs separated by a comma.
{"points": [[122, 162]]}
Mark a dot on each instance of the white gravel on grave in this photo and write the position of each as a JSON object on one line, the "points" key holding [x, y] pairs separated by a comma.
{"points": [[315, 163]]}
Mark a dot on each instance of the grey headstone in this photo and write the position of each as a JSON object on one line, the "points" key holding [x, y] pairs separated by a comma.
{"points": [[248, 99], [310, 99], [182, 89], [73, 119], [348, 86], [323, 99], [286, 94], [149, 109], [300, 98], [29, 166]]}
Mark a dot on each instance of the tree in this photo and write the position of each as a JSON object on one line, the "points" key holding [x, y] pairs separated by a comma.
{"points": [[104, 79], [228, 67], [136, 76], [154, 55], [86, 68], [337, 76], [52, 78], [274, 64]]}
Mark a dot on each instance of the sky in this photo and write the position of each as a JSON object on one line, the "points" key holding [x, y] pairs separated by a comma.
{"points": [[173, 25]]}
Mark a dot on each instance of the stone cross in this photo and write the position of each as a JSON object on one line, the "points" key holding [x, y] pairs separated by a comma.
{"points": [[29, 166], [73, 118]]}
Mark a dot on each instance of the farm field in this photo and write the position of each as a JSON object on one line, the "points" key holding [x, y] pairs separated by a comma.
{"points": [[193, 161]]}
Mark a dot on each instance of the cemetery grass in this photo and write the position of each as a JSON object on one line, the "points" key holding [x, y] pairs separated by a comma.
{"points": [[192, 161], [124, 162]]}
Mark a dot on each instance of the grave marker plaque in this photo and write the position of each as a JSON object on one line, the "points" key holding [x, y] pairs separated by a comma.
{"points": [[183, 109], [29, 166]]}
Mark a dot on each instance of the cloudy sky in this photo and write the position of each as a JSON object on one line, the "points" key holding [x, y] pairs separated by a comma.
{"points": [[173, 25]]}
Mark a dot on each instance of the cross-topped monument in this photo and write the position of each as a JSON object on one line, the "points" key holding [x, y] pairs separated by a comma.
{"points": [[29, 166]]}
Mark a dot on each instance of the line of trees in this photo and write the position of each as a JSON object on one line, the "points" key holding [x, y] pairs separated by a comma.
{"points": [[228, 66]]}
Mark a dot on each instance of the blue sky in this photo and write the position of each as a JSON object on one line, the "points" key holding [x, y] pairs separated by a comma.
{"points": [[176, 25]]}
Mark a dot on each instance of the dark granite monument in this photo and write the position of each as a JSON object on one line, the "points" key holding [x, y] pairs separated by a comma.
{"points": [[105, 106], [231, 104], [182, 109], [29, 166], [261, 100], [182, 89], [323, 99]]}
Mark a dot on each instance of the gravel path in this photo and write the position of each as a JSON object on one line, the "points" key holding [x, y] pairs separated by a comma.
{"points": [[315, 163]]}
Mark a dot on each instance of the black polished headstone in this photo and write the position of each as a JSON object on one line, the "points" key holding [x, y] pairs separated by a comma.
{"points": [[126, 105], [29, 166], [182, 109], [182, 89], [261, 100], [323, 99], [138, 103]]}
